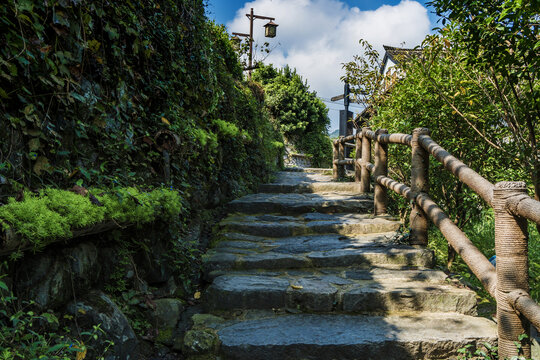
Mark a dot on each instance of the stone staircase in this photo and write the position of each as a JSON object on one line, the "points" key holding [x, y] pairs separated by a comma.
{"points": [[303, 271]]}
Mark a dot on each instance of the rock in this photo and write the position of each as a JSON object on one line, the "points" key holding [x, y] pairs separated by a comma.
{"points": [[84, 264], [285, 226], [45, 279], [200, 342], [185, 324], [152, 265], [170, 289], [164, 318], [206, 320], [96, 308]]}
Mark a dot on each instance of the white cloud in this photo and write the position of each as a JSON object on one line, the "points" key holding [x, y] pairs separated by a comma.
{"points": [[317, 36]]}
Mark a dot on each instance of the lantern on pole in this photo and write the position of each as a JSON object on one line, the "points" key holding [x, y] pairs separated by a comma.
{"points": [[270, 29]]}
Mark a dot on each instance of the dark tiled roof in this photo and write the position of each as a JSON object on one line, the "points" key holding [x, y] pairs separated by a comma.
{"points": [[396, 54]]}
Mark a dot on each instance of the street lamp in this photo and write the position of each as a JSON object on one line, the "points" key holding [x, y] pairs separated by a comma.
{"points": [[269, 31]]}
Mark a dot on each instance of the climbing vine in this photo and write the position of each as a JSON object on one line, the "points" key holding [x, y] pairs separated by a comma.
{"points": [[87, 88]]}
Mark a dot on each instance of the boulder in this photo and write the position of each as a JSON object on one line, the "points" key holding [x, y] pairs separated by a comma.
{"points": [[164, 317], [96, 308], [200, 342], [84, 264], [48, 278], [44, 279]]}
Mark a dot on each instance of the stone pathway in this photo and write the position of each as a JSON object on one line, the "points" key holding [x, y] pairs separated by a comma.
{"points": [[303, 271]]}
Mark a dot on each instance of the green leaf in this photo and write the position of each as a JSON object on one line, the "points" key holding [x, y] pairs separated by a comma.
{"points": [[51, 318], [56, 348]]}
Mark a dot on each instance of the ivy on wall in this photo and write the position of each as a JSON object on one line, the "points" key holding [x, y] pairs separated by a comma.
{"points": [[86, 88]]}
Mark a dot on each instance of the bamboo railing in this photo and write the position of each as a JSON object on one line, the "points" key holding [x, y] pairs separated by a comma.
{"points": [[508, 282]]}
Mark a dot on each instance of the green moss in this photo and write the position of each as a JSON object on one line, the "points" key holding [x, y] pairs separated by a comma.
{"points": [[33, 219], [54, 213], [77, 210], [164, 336]]}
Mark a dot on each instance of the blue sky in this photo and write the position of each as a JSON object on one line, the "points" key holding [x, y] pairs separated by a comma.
{"points": [[317, 36], [223, 11]]}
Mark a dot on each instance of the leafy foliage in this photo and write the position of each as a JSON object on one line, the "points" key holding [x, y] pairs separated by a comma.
{"points": [[86, 87], [500, 39], [107, 96], [442, 92], [27, 334], [297, 112]]}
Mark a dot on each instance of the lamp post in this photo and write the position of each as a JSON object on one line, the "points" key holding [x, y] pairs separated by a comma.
{"points": [[269, 31]]}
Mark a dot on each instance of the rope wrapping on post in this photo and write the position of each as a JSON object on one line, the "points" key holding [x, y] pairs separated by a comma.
{"points": [[511, 248], [419, 183], [366, 158], [380, 196], [335, 154], [358, 157]]}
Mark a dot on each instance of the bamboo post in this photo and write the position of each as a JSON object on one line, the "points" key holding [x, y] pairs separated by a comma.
{"points": [[335, 148], [358, 158], [366, 158], [341, 156], [419, 183], [511, 248], [381, 168]]}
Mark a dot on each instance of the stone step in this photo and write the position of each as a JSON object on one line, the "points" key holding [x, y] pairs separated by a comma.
{"points": [[311, 223], [384, 293], [350, 188], [301, 203], [344, 275], [325, 171], [398, 256], [348, 337], [309, 182]]}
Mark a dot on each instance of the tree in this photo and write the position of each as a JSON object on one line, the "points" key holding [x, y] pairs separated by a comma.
{"points": [[458, 102], [501, 39], [297, 112]]}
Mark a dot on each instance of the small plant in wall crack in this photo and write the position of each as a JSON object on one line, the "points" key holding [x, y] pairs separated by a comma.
{"points": [[490, 352], [26, 333]]}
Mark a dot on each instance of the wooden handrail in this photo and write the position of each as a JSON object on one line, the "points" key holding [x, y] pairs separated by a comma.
{"points": [[524, 304], [344, 162], [477, 262], [464, 173], [524, 206], [508, 283]]}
